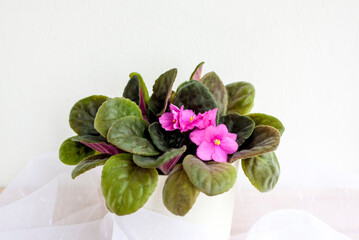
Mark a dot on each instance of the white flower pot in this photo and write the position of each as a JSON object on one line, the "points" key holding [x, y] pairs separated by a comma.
{"points": [[213, 212]]}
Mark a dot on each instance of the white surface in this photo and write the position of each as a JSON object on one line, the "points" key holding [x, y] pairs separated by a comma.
{"points": [[302, 57], [294, 225], [44, 201]]}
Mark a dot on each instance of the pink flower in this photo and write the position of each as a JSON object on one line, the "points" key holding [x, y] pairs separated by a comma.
{"points": [[207, 119], [214, 143], [188, 120], [170, 120]]}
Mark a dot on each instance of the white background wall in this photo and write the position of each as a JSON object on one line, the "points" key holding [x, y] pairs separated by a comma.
{"points": [[302, 56]]}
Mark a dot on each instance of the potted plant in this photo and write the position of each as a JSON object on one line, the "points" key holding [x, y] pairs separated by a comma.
{"points": [[175, 145]]}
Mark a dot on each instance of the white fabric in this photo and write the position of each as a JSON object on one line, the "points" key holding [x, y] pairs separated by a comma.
{"points": [[43, 202]]}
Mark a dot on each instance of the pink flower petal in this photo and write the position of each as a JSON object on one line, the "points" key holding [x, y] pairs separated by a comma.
{"points": [[208, 119], [205, 151], [166, 121], [219, 155], [197, 136], [174, 108], [187, 114], [232, 136], [211, 134], [188, 120], [229, 145], [222, 129]]}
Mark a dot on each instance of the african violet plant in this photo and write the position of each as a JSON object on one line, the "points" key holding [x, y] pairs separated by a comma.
{"points": [[192, 135]]}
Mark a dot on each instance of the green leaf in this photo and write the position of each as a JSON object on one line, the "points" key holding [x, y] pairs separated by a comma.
{"points": [[195, 96], [218, 90], [155, 162], [179, 194], [211, 178], [82, 114], [136, 90], [196, 75], [71, 153], [89, 163], [126, 187], [143, 86], [264, 119], [262, 171], [162, 92], [240, 97], [112, 110], [132, 90], [89, 139], [165, 140], [238, 124], [129, 134], [264, 139]]}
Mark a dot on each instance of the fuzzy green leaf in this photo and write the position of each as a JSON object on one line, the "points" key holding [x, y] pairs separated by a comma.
{"points": [[264, 119], [146, 97], [89, 163], [129, 134], [155, 162], [238, 124], [71, 153], [132, 90], [218, 90], [162, 92], [264, 139], [195, 96], [179, 194], [112, 110], [82, 115], [89, 139], [196, 75], [262, 171], [126, 187], [165, 140], [240, 97], [211, 178]]}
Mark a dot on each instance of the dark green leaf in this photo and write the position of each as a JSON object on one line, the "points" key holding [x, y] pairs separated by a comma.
{"points": [[82, 114], [196, 75], [97, 143], [264, 119], [262, 171], [238, 124], [126, 187], [240, 97], [165, 140], [195, 96], [71, 153], [161, 92], [179, 194], [211, 178], [89, 163], [129, 134], [218, 90], [132, 90], [155, 162], [89, 139], [264, 139], [146, 97], [112, 110]]}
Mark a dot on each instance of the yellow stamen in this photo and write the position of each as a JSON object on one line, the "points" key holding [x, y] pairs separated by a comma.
{"points": [[174, 120], [191, 119], [217, 142]]}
